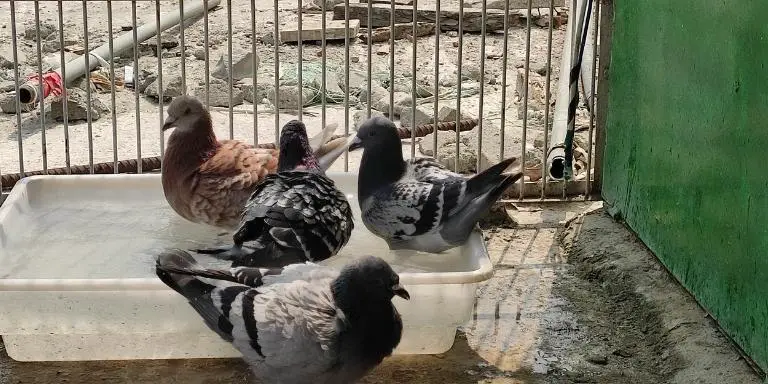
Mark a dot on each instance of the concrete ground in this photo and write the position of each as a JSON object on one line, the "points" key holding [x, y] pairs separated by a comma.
{"points": [[574, 299]]}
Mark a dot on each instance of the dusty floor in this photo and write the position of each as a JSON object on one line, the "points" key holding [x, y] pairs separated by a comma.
{"points": [[574, 299], [44, 144]]}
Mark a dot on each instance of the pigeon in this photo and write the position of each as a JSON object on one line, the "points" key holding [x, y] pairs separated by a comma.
{"points": [[420, 205], [209, 181], [302, 323], [294, 215]]}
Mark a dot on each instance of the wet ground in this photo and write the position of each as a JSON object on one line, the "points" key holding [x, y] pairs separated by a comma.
{"points": [[581, 301]]}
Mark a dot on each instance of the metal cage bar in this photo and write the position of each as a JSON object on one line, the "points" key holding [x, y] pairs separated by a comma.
{"points": [[503, 28]]}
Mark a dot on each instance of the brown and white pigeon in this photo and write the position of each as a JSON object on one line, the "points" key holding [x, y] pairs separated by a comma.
{"points": [[299, 324], [208, 181], [294, 215], [419, 204]]}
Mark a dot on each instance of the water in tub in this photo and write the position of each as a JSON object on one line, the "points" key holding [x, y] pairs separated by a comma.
{"points": [[110, 236]]}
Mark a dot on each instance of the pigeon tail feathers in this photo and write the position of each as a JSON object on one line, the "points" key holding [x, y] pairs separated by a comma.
{"points": [[461, 224], [195, 291]]}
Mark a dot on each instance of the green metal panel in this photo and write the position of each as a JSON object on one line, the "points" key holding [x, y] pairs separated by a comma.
{"points": [[686, 147]]}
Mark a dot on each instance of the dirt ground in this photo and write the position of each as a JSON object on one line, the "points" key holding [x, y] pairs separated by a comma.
{"points": [[574, 299], [125, 137]]}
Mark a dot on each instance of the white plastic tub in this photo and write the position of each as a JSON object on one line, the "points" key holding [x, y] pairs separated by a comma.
{"points": [[77, 275]]}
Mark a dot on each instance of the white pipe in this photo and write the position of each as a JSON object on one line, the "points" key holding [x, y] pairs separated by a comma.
{"points": [[76, 68], [556, 151]]}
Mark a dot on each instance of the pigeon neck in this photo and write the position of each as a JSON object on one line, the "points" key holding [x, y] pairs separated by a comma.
{"points": [[190, 146], [374, 324], [381, 165], [296, 155]]}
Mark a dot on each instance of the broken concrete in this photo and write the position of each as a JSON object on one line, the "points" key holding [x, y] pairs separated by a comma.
{"points": [[289, 96], [218, 93], [242, 66], [171, 87], [77, 107], [424, 115]]}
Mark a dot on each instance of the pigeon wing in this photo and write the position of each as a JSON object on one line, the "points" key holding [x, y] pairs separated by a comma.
{"points": [[303, 211], [410, 208]]}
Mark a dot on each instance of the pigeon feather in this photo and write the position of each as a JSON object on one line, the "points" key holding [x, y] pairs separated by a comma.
{"points": [[293, 216], [419, 204], [209, 181], [305, 324]]}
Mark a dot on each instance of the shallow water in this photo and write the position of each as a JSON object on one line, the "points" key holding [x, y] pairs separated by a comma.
{"points": [[117, 232]]}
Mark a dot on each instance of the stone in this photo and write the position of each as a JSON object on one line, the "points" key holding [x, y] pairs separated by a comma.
{"points": [[52, 45], [422, 89], [171, 87], [289, 96], [597, 359], [145, 79], [198, 53], [268, 38], [8, 103], [358, 83], [446, 113], [77, 107], [47, 29], [242, 66], [167, 41], [360, 116], [424, 115], [402, 100], [6, 57], [218, 93], [264, 87], [470, 72], [8, 86]]}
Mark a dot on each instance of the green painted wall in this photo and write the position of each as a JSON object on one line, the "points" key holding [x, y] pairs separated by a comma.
{"points": [[686, 157]]}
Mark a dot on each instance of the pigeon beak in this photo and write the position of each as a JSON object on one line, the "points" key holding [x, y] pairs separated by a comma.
{"points": [[400, 291], [169, 123], [355, 143]]}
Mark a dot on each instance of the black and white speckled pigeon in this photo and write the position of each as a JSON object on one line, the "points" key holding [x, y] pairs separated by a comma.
{"points": [[294, 215], [419, 204], [303, 323]]}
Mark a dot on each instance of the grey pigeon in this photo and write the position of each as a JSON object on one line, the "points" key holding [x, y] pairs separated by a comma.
{"points": [[303, 323], [419, 204], [294, 215]]}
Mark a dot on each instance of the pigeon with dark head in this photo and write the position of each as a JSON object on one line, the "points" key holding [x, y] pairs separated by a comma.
{"points": [[419, 204], [302, 323], [294, 215], [208, 181]]}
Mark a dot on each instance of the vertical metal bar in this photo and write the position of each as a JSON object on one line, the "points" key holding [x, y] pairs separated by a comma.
{"points": [[525, 96], [436, 103], [182, 24], [592, 101], [603, 87], [207, 56], [64, 94], [160, 77], [547, 97], [14, 44], [484, 13], [323, 64], [370, 58], [87, 58], [41, 100], [504, 62], [458, 84], [414, 96], [254, 70], [301, 59], [229, 70], [277, 73], [391, 110], [346, 80], [137, 107], [113, 104]]}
